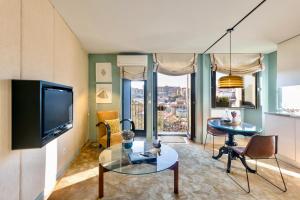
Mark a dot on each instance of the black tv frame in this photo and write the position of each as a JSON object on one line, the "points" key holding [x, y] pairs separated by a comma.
{"points": [[27, 114]]}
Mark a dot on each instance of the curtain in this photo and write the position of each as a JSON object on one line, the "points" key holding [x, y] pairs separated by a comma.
{"points": [[134, 73], [241, 64], [175, 64]]}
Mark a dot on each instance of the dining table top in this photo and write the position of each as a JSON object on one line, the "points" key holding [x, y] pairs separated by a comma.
{"points": [[243, 128]]}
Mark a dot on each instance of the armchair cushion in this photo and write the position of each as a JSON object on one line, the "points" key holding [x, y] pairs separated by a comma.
{"points": [[114, 125], [115, 138], [105, 115]]}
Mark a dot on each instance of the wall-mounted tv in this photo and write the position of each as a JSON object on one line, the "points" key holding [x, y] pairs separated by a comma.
{"points": [[57, 110], [41, 111]]}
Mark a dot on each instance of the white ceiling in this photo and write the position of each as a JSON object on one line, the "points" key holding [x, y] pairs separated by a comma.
{"points": [[179, 26]]}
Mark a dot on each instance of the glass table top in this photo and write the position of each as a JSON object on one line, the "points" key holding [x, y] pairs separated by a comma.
{"points": [[241, 128], [116, 158]]}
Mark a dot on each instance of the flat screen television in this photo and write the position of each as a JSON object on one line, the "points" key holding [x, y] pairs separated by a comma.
{"points": [[41, 112], [57, 111]]}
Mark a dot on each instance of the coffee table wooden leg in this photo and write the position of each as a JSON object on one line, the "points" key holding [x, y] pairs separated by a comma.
{"points": [[176, 178], [101, 180]]}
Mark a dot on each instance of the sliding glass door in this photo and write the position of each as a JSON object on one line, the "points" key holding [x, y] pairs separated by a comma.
{"points": [[134, 104], [174, 102]]}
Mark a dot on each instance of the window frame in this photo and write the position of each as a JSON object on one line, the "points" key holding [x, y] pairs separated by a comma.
{"points": [[214, 93], [126, 114], [141, 131]]}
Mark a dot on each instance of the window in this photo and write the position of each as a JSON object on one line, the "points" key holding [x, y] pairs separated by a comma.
{"points": [[235, 97], [173, 95], [289, 98]]}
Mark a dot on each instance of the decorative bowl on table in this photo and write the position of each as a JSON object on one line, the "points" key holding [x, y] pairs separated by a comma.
{"points": [[127, 144], [230, 122], [127, 136]]}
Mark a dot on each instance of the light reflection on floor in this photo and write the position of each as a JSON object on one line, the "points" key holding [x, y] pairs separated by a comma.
{"points": [[80, 181], [275, 168], [76, 178]]}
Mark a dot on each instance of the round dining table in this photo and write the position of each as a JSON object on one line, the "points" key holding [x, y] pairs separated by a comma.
{"points": [[243, 128]]}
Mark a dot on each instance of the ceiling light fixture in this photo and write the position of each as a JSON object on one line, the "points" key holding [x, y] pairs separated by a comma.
{"points": [[230, 81]]}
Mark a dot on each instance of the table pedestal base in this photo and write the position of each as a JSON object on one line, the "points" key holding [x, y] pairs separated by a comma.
{"points": [[231, 155]]}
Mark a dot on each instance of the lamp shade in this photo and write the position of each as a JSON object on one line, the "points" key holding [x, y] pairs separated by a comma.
{"points": [[231, 81]]}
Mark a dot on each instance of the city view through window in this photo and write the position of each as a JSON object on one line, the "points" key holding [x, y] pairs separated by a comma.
{"points": [[173, 97], [237, 97], [137, 104]]}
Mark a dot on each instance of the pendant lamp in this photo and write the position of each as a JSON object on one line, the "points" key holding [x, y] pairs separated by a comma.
{"points": [[230, 81]]}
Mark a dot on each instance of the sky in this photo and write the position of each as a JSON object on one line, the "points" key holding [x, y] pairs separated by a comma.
{"points": [[164, 80]]}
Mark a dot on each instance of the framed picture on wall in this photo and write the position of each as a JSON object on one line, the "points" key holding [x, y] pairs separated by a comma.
{"points": [[103, 93], [103, 73]]}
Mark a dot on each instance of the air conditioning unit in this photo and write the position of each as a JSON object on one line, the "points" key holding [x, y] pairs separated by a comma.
{"points": [[132, 60]]}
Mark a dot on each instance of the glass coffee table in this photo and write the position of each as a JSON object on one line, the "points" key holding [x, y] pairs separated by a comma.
{"points": [[115, 158]]}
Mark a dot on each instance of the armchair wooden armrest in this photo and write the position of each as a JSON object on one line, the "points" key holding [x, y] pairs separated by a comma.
{"points": [[107, 131]]}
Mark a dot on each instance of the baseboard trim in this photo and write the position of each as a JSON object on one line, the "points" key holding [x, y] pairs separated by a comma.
{"points": [[288, 161], [40, 196]]}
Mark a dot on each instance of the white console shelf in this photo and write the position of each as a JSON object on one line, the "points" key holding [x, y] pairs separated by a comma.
{"points": [[287, 127]]}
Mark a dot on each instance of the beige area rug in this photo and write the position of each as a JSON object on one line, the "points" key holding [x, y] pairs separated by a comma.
{"points": [[172, 139], [200, 177]]}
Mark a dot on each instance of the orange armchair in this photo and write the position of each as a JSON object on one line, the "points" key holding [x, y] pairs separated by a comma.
{"points": [[106, 136]]}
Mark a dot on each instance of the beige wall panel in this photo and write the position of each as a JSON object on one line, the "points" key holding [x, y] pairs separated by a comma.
{"points": [[9, 160], [83, 97], [9, 69], [82, 94], [37, 63], [64, 60], [32, 172], [37, 40], [70, 70], [64, 49], [50, 51], [10, 39]]}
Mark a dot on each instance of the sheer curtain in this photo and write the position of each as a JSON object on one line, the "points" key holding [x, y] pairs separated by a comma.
{"points": [[134, 73], [175, 64], [241, 64]]}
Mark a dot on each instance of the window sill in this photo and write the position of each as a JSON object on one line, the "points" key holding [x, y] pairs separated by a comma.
{"points": [[235, 108]]}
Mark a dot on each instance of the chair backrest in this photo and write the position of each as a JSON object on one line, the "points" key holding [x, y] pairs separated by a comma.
{"points": [[261, 146], [105, 115]]}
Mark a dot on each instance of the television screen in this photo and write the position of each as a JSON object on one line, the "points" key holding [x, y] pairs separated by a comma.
{"points": [[57, 109]]}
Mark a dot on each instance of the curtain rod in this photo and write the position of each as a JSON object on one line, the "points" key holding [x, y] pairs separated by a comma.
{"points": [[232, 28]]}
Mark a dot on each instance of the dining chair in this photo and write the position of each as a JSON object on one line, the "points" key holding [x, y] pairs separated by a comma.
{"points": [[258, 147], [214, 132]]}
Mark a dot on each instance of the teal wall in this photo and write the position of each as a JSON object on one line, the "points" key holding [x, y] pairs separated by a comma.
{"points": [[116, 89], [267, 97], [272, 93], [93, 107], [267, 93], [203, 100]]}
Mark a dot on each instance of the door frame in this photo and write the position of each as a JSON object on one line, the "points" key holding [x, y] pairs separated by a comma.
{"points": [[192, 133], [139, 133]]}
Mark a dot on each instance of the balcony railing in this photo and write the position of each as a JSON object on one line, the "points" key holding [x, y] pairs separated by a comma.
{"points": [[138, 114], [166, 122]]}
